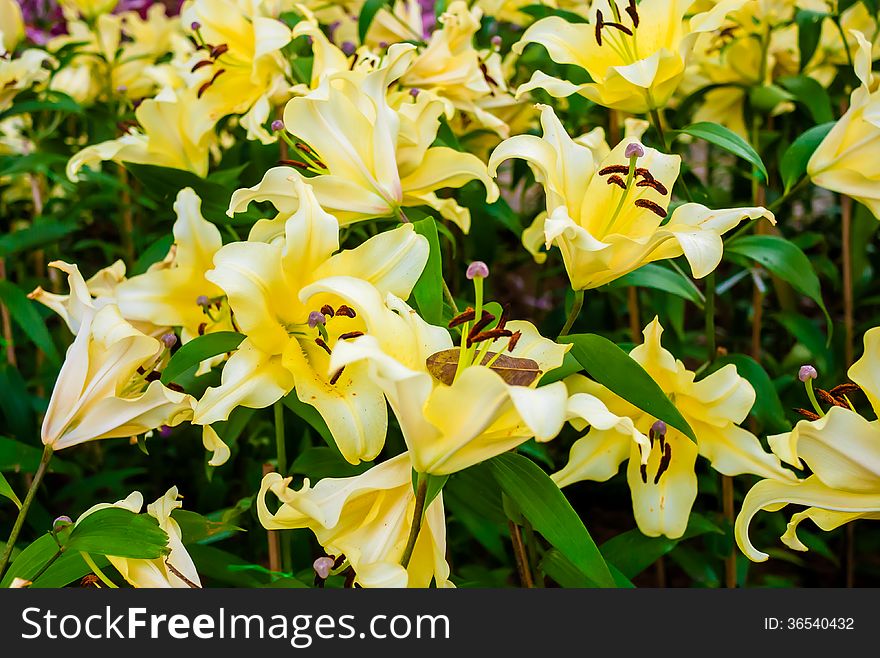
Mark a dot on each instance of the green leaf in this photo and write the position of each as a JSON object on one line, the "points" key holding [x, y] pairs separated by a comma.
{"points": [[195, 528], [28, 563], [325, 462], [717, 134], [7, 492], [550, 513], [219, 565], [794, 161], [811, 95], [199, 349], [632, 552], [435, 485], [368, 13], [428, 291], [560, 569], [662, 278], [542, 11], [15, 403], [313, 417], [66, 569], [809, 31], [616, 370], [25, 315], [119, 532], [784, 259], [570, 366], [37, 235], [56, 101], [16, 456], [768, 409]]}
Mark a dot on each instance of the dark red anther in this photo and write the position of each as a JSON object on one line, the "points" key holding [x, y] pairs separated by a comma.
{"points": [[614, 169], [327, 310], [216, 51], [175, 387], [616, 180], [202, 64], [152, 376], [320, 342], [654, 183], [492, 334], [845, 389], [826, 397], [299, 164], [481, 324], [350, 334], [202, 327], [633, 12], [599, 25], [664, 463], [514, 339], [643, 470], [141, 370], [337, 375], [650, 205], [346, 311], [505, 316], [806, 413], [622, 28], [465, 316]]}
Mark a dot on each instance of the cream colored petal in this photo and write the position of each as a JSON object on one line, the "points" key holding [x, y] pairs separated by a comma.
{"points": [[773, 495], [826, 520], [735, 451], [353, 407], [214, 444], [841, 448], [596, 456], [251, 378], [392, 261], [444, 167], [664, 507], [866, 371], [553, 86]]}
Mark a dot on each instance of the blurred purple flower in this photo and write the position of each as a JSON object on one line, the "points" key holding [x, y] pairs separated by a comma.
{"points": [[428, 18]]}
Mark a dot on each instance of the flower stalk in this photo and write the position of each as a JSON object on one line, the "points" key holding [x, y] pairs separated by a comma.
{"points": [[22, 513]]}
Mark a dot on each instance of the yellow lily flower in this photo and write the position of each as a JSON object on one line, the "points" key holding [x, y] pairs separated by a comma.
{"points": [[844, 162], [367, 519], [842, 450], [104, 389], [294, 300], [11, 26], [604, 231], [661, 473], [108, 385], [175, 292], [176, 132], [20, 73], [238, 67], [455, 70], [453, 417], [176, 569], [636, 58], [171, 293], [371, 159]]}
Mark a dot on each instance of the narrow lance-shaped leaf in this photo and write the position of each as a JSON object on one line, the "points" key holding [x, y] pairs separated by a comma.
{"points": [[717, 134], [550, 513], [784, 259], [199, 349]]}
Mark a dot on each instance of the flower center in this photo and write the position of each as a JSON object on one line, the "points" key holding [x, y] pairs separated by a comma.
{"points": [[615, 34]]}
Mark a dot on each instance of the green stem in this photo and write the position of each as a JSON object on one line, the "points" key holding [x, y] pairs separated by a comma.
{"points": [[710, 317], [810, 394], [449, 298], [849, 58], [418, 513], [281, 453], [658, 126], [576, 307], [22, 513]]}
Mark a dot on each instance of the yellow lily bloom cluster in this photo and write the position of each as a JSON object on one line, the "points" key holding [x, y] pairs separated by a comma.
{"points": [[314, 193]]}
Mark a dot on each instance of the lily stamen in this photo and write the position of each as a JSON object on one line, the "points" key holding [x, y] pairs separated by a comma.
{"points": [[653, 183], [346, 311], [323, 345], [664, 463], [465, 316], [650, 205], [351, 334], [617, 180]]}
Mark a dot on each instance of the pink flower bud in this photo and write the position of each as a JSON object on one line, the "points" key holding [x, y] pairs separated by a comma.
{"points": [[316, 318], [634, 150], [277, 125]]}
